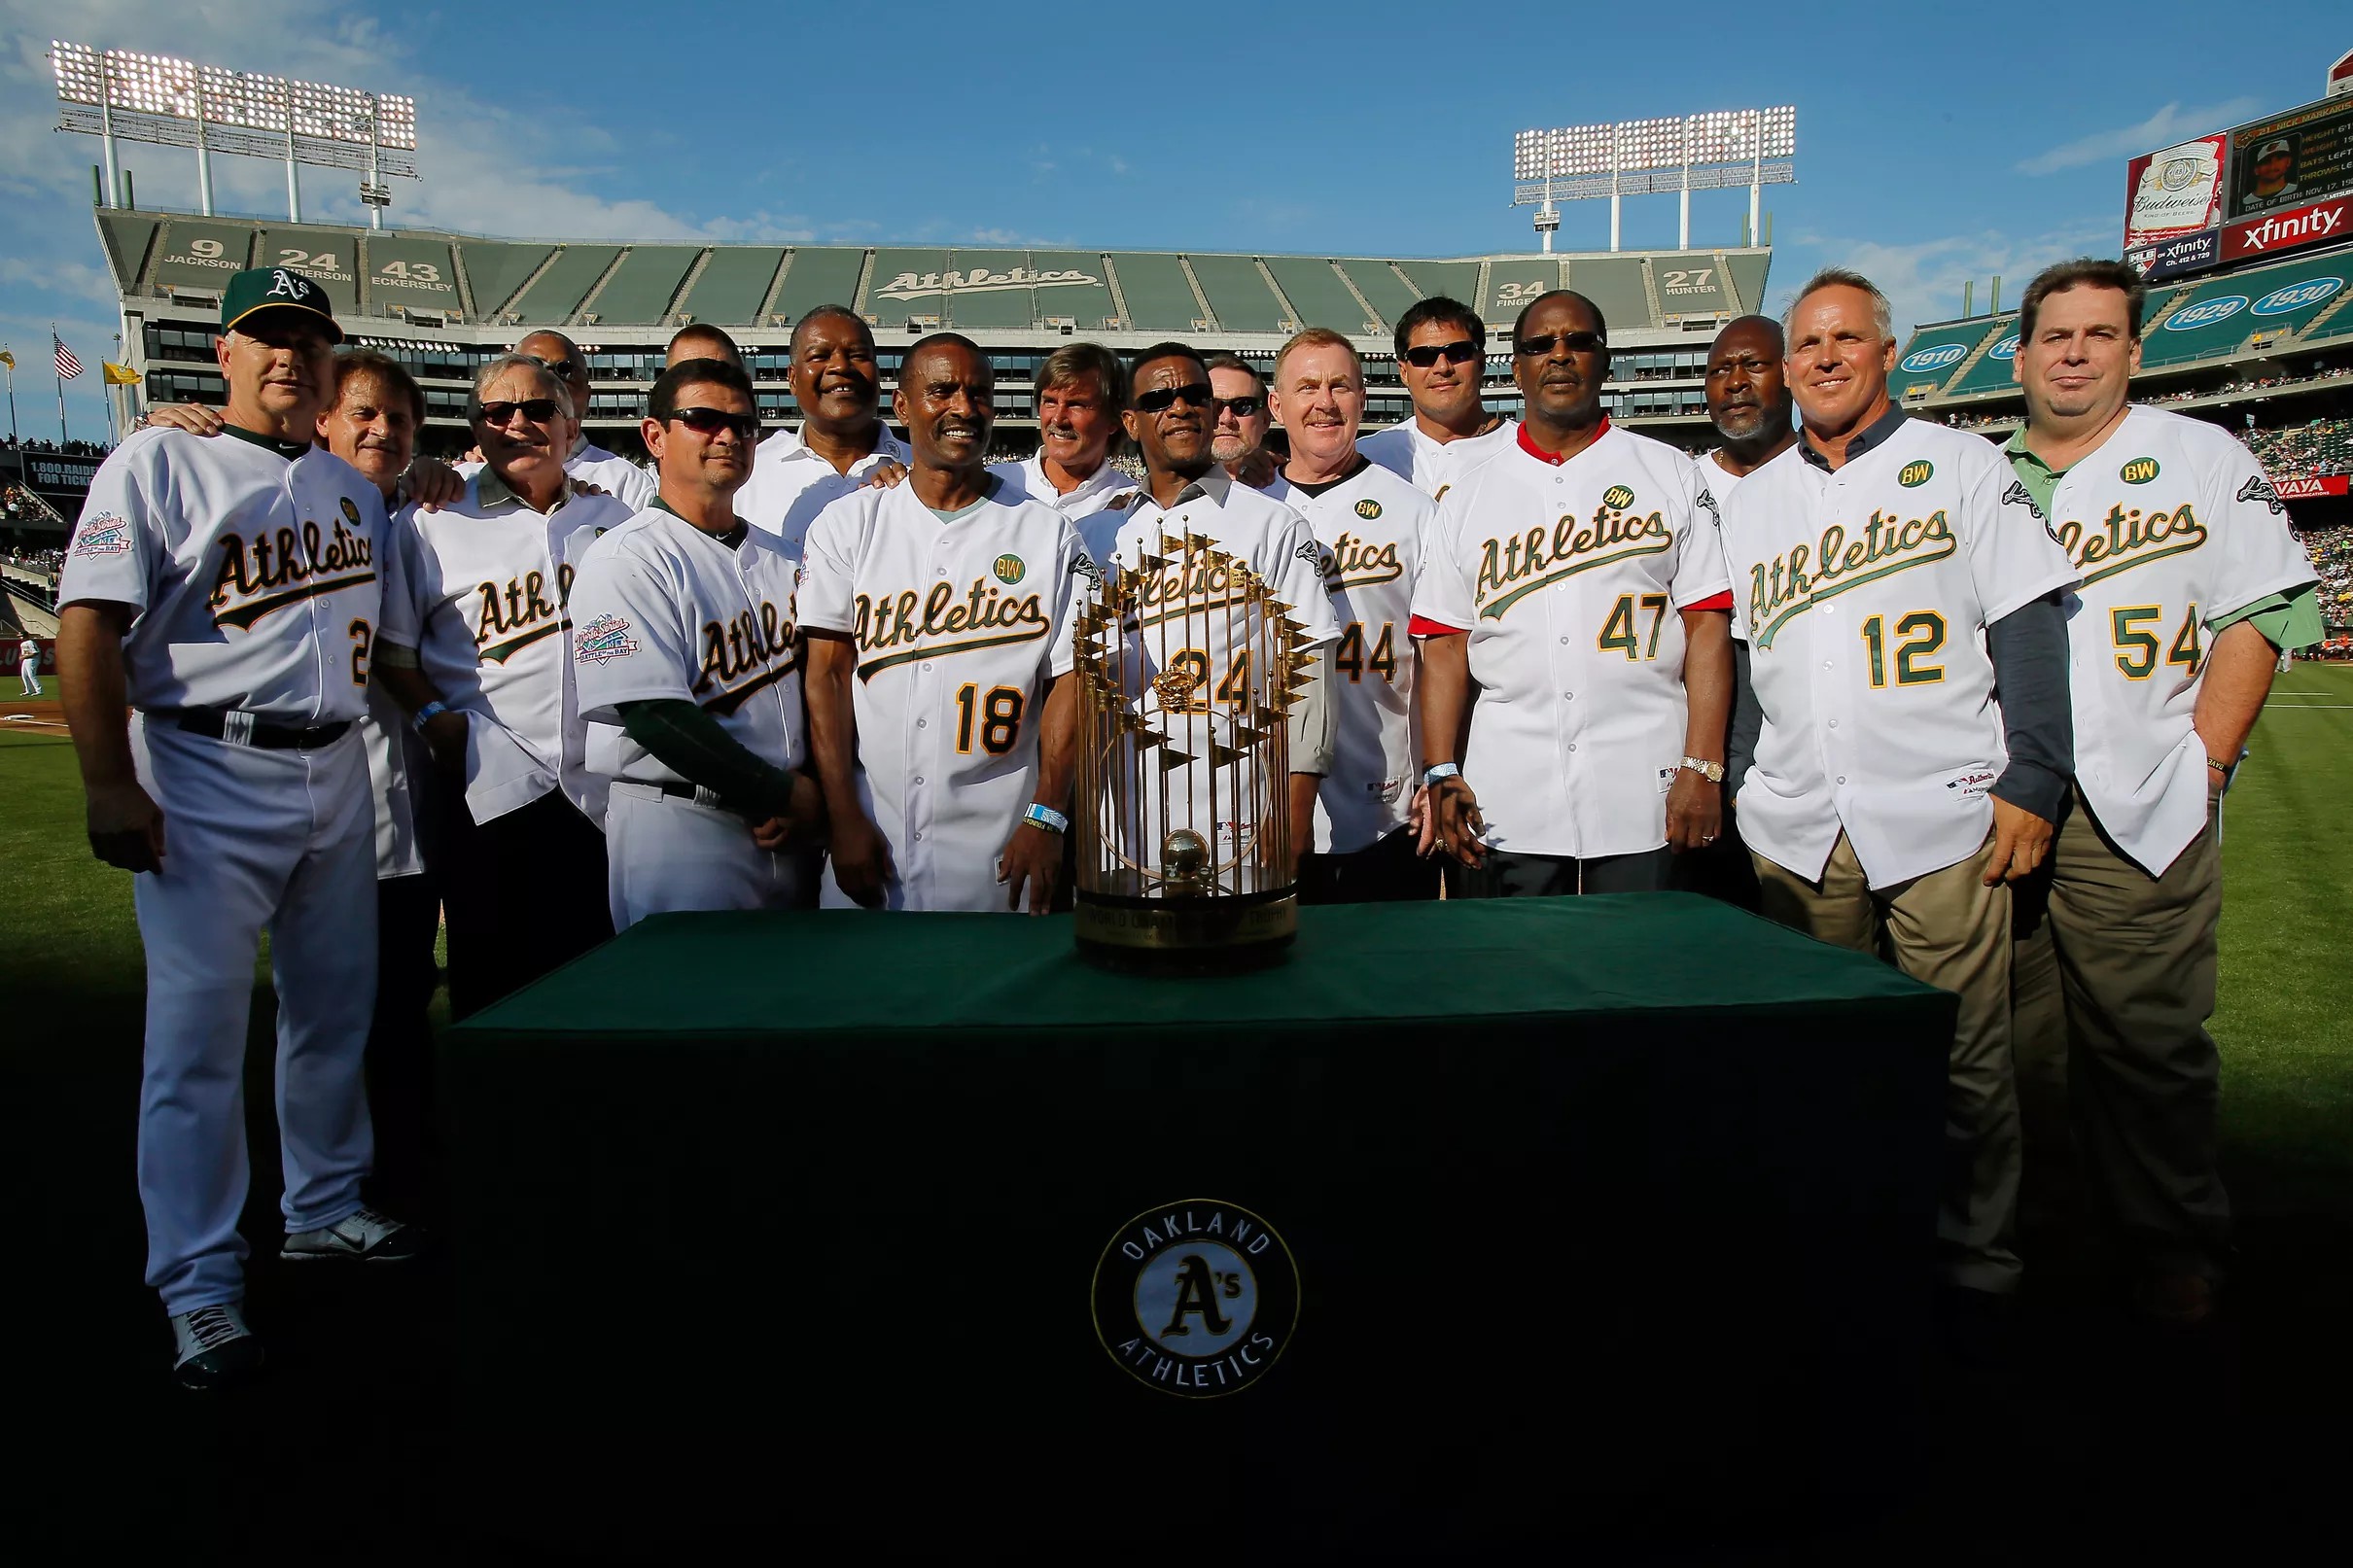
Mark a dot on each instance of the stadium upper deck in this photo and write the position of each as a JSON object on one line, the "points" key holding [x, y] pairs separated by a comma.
{"points": [[442, 301]]}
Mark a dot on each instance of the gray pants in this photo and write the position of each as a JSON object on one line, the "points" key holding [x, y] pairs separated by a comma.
{"points": [[1951, 931], [2111, 994]]}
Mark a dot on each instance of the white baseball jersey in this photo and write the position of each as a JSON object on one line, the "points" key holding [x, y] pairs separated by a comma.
{"points": [[1863, 595], [253, 576], [662, 609], [1570, 577], [959, 626], [790, 484], [2171, 526], [631, 484], [1433, 467], [28, 654], [1372, 527], [1715, 478], [392, 773], [484, 584], [1184, 627], [1095, 505]]}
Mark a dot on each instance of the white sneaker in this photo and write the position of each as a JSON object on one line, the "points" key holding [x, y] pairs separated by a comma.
{"points": [[213, 1347], [363, 1235]]}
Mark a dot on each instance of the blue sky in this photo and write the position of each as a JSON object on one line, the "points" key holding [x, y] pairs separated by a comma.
{"points": [[1935, 144]]}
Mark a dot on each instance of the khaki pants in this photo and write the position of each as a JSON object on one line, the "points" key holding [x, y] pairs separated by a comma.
{"points": [[1950, 931], [2111, 994]]}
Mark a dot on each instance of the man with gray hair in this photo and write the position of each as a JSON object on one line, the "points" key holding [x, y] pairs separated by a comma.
{"points": [[476, 647], [1889, 576], [586, 462], [1082, 391]]}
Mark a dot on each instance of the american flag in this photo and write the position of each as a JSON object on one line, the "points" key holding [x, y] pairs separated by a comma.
{"points": [[68, 367]]}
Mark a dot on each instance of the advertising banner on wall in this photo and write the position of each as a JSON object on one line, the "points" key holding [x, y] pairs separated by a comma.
{"points": [[2174, 194], [2292, 229], [2171, 258], [2292, 159]]}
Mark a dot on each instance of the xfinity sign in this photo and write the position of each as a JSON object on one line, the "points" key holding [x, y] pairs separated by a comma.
{"points": [[2292, 230]]}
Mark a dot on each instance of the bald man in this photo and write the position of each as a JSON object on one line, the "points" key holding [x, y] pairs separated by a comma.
{"points": [[700, 340], [587, 462]]}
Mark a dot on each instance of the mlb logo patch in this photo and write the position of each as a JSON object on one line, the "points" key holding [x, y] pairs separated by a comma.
{"points": [[601, 640]]}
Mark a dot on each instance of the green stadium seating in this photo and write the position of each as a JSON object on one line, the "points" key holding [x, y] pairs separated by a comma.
{"points": [[1935, 353], [1692, 283], [897, 289], [1089, 304], [1455, 280], [126, 235], [641, 289], [1317, 297], [1747, 270], [414, 273], [558, 292], [979, 305], [1238, 295], [819, 275], [2222, 313], [1159, 299], [1379, 283], [733, 284], [200, 252], [1992, 372], [494, 270], [328, 257], [1615, 284], [1512, 283]]}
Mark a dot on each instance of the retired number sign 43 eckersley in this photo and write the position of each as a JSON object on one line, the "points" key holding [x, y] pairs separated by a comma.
{"points": [[1196, 1299]]}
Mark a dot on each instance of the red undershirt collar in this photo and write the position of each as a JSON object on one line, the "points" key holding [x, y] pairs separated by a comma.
{"points": [[1527, 443]]}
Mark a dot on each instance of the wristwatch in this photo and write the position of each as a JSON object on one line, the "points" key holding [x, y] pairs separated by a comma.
{"points": [[1712, 771]]}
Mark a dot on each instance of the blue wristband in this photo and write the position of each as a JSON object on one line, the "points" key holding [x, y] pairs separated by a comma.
{"points": [[426, 715], [1047, 818], [1442, 770]]}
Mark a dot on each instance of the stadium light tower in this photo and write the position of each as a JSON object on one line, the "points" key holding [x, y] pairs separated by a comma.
{"points": [[129, 96], [1721, 150]]}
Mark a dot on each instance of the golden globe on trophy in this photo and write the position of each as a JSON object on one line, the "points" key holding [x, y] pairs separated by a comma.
{"points": [[1188, 667]]}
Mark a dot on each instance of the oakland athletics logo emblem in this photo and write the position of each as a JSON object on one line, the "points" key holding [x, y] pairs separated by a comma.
{"points": [[1196, 1299]]}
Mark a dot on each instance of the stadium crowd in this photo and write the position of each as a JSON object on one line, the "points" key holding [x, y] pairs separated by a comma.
{"points": [[2297, 451], [2332, 552], [72, 448]]}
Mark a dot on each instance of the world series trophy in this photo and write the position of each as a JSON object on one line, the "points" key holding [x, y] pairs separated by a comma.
{"points": [[1188, 668]]}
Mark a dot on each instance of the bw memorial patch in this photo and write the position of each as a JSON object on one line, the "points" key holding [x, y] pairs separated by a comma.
{"points": [[1197, 1298]]}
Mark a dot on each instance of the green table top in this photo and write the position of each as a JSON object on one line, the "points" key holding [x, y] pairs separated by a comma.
{"points": [[785, 973]]}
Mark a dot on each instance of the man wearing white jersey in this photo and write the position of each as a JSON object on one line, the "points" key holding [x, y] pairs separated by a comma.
{"points": [[1442, 358], [1749, 402], [1370, 526], [842, 443], [28, 666], [1577, 579], [226, 593], [475, 649], [2192, 583], [1080, 399], [1171, 418], [942, 712], [1888, 574], [687, 666], [585, 460]]}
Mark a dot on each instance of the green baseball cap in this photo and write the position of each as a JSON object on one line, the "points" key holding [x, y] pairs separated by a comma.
{"points": [[274, 288]]}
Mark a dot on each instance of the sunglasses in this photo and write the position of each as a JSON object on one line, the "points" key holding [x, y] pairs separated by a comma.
{"points": [[710, 420], [1461, 351], [1160, 399], [538, 410], [1575, 342], [567, 368], [1239, 407]]}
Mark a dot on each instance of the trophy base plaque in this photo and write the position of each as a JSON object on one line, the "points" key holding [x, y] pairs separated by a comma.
{"points": [[1186, 936]]}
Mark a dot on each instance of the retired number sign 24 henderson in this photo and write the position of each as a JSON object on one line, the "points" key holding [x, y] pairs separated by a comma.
{"points": [[1197, 1298]]}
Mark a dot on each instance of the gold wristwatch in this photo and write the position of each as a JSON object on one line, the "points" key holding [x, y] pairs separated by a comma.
{"points": [[1712, 771]]}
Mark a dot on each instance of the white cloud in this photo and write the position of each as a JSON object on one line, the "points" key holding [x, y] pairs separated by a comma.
{"points": [[1925, 281], [2162, 129]]}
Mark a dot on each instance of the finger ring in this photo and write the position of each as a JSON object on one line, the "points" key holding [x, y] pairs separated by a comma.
{"points": [[1708, 838]]}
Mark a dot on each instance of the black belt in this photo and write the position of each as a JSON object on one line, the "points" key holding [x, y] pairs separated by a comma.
{"points": [[217, 723], [684, 791]]}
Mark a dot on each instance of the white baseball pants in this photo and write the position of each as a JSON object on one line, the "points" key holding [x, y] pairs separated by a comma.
{"points": [[253, 840], [669, 853]]}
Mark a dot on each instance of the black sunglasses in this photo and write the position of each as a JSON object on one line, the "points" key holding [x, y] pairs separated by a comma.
{"points": [[1243, 407], [1160, 399], [710, 420], [566, 368], [1461, 351], [538, 410], [1575, 342]]}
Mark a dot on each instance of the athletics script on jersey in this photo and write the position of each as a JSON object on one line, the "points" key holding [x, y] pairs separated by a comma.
{"points": [[903, 625], [280, 567], [749, 651], [1349, 562], [1803, 576], [1511, 569], [521, 613], [1203, 579]]}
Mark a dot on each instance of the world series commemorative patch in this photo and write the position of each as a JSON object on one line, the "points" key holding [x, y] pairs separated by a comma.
{"points": [[1198, 1298]]}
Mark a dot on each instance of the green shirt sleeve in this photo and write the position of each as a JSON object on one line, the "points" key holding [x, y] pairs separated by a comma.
{"points": [[2287, 620], [691, 744]]}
